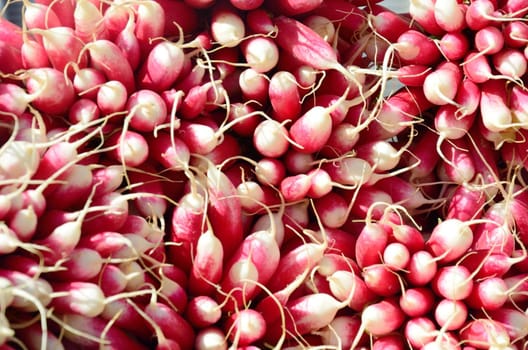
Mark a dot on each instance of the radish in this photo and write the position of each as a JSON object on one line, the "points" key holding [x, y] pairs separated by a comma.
{"points": [[306, 314], [207, 268], [370, 244], [162, 67], [420, 331], [440, 86], [341, 331], [210, 338], [83, 298], [203, 311], [245, 327], [227, 27], [454, 45], [111, 97], [422, 268], [354, 20], [146, 109], [271, 138], [150, 24], [450, 15], [346, 285], [261, 54], [45, 85], [381, 280], [89, 22], [416, 302], [515, 321], [380, 319], [254, 85], [489, 294], [414, 47], [451, 314], [422, 11], [453, 282], [284, 96], [450, 240], [108, 58], [483, 333]]}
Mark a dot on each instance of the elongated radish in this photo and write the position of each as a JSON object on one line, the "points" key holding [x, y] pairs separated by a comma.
{"points": [[414, 47], [108, 58], [162, 66], [203, 311], [422, 268], [381, 318], [207, 267], [284, 96]]}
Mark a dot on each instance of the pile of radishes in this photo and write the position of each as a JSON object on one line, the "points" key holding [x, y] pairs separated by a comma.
{"points": [[258, 174]]}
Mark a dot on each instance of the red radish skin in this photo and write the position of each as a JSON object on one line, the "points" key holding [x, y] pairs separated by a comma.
{"points": [[513, 320], [454, 45], [370, 244], [342, 331], [450, 240], [127, 41], [488, 294], [83, 298], [130, 148], [47, 84], [254, 85], [382, 318], [334, 10], [150, 24]]}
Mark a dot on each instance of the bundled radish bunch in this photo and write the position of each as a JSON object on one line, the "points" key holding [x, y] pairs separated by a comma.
{"points": [[244, 174]]}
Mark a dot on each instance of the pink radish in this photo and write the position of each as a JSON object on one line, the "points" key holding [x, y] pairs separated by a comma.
{"points": [[130, 148], [370, 244], [210, 337], [440, 86], [346, 285], [450, 240], [108, 57], [489, 294], [422, 11], [451, 314], [421, 269], [127, 41], [334, 9], [380, 318], [483, 333], [381, 280], [453, 282], [261, 54], [480, 13], [227, 27], [162, 66], [89, 22], [419, 331], [83, 298], [207, 268], [111, 97], [271, 139], [514, 321], [46, 84], [332, 209], [510, 63], [254, 85], [86, 82], [450, 15], [416, 302], [150, 24], [306, 314], [203, 311], [245, 327], [341, 331], [414, 47], [170, 151], [454, 45], [284, 96]]}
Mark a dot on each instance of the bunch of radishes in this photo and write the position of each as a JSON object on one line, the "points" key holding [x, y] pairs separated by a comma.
{"points": [[245, 174]]}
